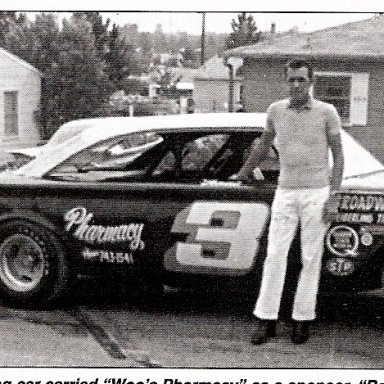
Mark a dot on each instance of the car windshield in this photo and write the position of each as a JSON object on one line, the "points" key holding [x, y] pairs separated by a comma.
{"points": [[65, 132]]}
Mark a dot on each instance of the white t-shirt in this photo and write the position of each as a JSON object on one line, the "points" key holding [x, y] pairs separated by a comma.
{"points": [[302, 136]]}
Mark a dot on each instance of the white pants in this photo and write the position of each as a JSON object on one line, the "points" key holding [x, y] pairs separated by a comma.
{"points": [[291, 207]]}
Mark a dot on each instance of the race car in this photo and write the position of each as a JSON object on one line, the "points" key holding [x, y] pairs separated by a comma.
{"points": [[151, 198]]}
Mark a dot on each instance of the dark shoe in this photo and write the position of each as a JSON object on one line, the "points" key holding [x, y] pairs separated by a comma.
{"points": [[265, 329], [300, 332]]}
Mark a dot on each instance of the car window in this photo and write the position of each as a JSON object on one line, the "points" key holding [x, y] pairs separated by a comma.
{"points": [[187, 157], [111, 155], [190, 156]]}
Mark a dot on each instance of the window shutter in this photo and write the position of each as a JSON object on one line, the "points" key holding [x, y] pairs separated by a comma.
{"points": [[359, 99]]}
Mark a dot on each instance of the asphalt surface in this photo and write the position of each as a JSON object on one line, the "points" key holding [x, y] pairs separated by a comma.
{"points": [[187, 330]]}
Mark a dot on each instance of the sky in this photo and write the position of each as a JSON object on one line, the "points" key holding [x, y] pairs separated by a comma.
{"points": [[220, 22], [183, 15]]}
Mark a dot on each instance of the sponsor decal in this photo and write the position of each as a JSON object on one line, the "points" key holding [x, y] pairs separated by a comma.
{"points": [[349, 217], [342, 240], [222, 237], [79, 221], [366, 239], [340, 267], [107, 256], [361, 209], [362, 203]]}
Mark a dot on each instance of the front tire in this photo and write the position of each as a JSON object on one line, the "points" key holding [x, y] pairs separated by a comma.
{"points": [[34, 268]]}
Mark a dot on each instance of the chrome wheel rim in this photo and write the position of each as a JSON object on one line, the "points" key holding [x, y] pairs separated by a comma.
{"points": [[22, 263]]}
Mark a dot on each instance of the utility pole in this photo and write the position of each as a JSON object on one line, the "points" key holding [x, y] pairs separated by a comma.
{"points": [[202, 51]]}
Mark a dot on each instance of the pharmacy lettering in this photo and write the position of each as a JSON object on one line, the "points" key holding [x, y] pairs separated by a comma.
{"points": [[79, 220], [361, 208]]}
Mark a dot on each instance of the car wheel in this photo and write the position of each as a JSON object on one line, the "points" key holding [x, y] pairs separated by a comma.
{"points": [[34, 269]]}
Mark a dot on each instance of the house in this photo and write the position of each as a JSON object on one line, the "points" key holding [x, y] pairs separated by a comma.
{"points": [[211, 85], [20, 87], [349, 73]]}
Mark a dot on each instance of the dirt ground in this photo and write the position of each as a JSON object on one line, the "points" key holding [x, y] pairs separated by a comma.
{"points": [[185, 331]]}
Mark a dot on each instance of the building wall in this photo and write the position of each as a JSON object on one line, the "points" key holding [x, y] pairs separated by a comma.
{"points": [[27, 82], [213, 95], [263, 83]]}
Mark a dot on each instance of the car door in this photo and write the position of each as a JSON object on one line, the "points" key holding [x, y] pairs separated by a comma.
{"points": [[201, 223]]}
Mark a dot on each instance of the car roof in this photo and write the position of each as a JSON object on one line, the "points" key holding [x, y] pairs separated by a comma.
{"points": [[179, 121], [109, 127]]}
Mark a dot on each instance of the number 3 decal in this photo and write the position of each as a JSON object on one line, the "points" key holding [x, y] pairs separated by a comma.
{"points": [[221, 237]]}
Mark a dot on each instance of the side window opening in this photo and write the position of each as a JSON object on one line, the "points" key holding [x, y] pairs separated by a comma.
{"points": [[122, 154], [188, 158], [216, 156]]}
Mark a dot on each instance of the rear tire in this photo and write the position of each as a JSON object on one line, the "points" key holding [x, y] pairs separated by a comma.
{"points": [[34, 268]]}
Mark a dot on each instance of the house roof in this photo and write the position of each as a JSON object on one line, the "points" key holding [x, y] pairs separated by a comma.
{"points": [[214, 69], [20, 61], [356, 40]]}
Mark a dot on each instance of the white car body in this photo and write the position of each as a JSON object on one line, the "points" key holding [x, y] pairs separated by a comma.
{"points": [[362, 169]]}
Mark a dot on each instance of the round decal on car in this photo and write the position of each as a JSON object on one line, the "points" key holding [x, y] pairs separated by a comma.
{"points": [[342, 240]]}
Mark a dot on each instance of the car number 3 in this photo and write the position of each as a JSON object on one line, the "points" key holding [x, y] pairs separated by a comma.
{"points": [[222, 237]]}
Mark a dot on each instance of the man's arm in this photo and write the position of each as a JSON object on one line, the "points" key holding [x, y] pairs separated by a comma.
{"points": [[257, 154], [331, 206], [338, 161]]}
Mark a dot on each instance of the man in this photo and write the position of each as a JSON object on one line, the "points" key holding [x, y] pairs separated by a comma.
{"points": [[304, 129]]}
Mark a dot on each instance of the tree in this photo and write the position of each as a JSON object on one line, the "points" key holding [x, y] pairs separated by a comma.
{"points": [[244, 32], [75, 85], [134, 87], [190, 58], [39, 44], [99, 29], [45, 44], [167, 79], [18, 39], [160, 41], [6, 20], [120, 58]]}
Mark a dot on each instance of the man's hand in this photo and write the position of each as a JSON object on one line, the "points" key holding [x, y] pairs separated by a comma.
{"points": [[246, 177], [240, 177], [331, 208], [257, 174]]}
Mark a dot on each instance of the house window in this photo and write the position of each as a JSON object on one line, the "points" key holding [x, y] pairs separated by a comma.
{"points": [[335, 90], [348, 92], [11, 113]]}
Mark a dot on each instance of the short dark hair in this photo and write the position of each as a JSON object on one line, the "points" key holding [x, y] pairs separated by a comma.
{"points": [[299, 63]]}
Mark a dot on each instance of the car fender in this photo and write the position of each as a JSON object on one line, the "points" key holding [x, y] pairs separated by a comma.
{"points": [[36, 218]]}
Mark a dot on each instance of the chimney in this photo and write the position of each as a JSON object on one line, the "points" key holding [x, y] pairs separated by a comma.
{"points": [[273, 28]]}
